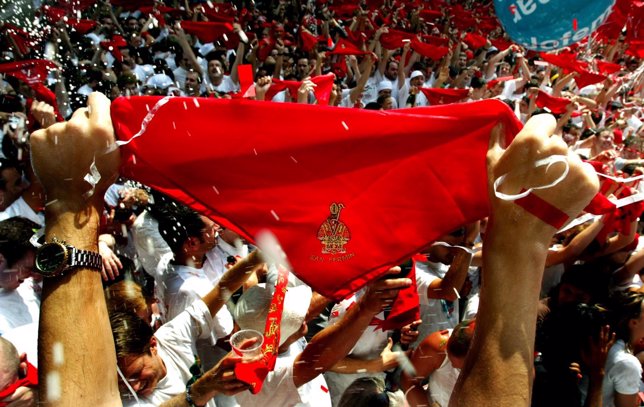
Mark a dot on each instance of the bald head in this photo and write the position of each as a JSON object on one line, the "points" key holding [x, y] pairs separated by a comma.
{"points": [[9, 363]]}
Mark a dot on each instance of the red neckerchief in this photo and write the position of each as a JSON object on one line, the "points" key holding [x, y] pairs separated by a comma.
{"points": [[254, 373], [30, 380]]}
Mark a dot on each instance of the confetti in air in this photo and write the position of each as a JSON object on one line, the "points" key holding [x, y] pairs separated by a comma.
{"points": [[92, 178], [275, 215], [345, 126]]}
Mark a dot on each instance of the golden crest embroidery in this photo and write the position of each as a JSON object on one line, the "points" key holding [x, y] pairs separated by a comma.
{"points": [[334, 234]]}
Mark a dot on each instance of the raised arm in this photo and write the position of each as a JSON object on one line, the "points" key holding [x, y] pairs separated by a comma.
{"points": [[333, 343], [73, 317], [499, 367]]}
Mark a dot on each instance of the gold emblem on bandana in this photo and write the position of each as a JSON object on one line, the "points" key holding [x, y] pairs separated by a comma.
{"points": [[334, 234]]}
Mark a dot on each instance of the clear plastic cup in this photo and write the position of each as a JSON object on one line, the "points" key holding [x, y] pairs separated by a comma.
{"points": [[247, 343]]}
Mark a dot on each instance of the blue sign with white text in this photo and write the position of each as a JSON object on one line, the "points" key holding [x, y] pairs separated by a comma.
{"points": [[547, 25]]}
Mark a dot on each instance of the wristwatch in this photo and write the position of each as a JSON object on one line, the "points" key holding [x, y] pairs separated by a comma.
{"points": [[57, 257]]}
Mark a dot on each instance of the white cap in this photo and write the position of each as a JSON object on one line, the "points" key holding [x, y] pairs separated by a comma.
{"points": [[385, 85], [159, 81], [416, 74]]}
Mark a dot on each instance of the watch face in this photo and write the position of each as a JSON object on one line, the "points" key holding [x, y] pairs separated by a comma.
{"points": [[51, 259]]}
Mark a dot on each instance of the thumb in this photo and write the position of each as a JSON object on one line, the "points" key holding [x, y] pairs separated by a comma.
{"points": [[390, 344]]}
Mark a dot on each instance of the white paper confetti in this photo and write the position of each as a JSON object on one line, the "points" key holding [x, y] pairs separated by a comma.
{"points": [[345, 126], [92, 178]]}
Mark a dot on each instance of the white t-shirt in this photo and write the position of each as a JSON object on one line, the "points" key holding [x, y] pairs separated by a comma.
{"points": [[369, 346], [175, 345], [183, 286], [403, 94], [279, 389], [226, 86], [623, 374], [20, 208], [20, 306], [436, 314], [441, 383]]}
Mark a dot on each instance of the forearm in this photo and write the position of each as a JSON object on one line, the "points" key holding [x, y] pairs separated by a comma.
{"points": [[74, 324], [508, 309], [353, 365], [332, 344], [232, 281], [453, 280]]}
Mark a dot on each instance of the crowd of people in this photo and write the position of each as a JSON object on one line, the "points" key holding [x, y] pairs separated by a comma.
{"points": [[150, 325]]}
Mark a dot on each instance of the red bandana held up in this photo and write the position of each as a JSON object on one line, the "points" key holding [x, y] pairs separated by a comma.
{"points": [[300, 169]]}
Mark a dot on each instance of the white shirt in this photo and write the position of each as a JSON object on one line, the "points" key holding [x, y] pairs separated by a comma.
{"points": [[279, 390], [20, 306], [183, 286], [20, 208], [623, 373], [369, 346], [436, 314], [175, 345]]}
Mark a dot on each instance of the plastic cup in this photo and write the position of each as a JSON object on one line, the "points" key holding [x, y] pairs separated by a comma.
{"points": [[247, 343]]}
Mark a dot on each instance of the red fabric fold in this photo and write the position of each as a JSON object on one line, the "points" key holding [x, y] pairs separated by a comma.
{"points": [[586, 78], [475, 41], [439, 96], [207, 31], [319, 161], [607, 68], [394, 38], [344, 47], [555, 104], [309, 41], [322, 91], [428, 50]]}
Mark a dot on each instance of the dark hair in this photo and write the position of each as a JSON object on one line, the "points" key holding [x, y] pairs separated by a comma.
{"points": [[6, 164], [624, 306], [177, 224], [365, 392], [131, 334], [14, 238]]}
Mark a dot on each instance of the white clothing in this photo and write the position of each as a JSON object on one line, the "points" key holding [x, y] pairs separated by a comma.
{"points": [[153, 252], [369, 346], [437, 314], [216, 259], [85, 90], [20, 306], [175, 345], [25, 339], [180, 75], [441, 383], [226, 86], [20, 208], [394, 84], [184, 285], [279, 389], [403, 94], [623, 374]]}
